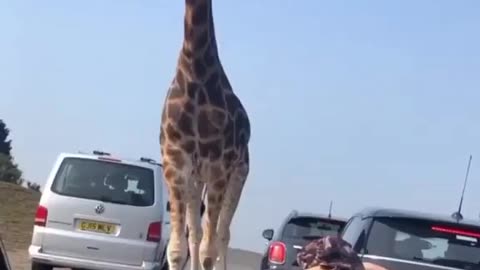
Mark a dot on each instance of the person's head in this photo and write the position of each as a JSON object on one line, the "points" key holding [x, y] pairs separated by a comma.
{"points": [[329, 252]]}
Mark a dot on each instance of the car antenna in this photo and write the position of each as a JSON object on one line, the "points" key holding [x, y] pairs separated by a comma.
{"points": [[458, 215], [330, 210]]}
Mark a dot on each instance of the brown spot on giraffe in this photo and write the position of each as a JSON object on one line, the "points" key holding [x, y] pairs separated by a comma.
{"points": [[176, 158], [204, 132], [169, 173], [176, 193], [220, 185]]}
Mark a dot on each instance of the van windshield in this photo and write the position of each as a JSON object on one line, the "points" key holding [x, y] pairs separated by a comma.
{"points": [[452, 245], [105, 181], [311, 228]]}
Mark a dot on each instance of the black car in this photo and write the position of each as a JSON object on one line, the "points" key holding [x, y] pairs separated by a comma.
{"points": [[297, 230], [408, 240]]}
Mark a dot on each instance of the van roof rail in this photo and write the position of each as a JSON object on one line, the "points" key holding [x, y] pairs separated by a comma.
{"points": [[149, 160], [100, 153]]}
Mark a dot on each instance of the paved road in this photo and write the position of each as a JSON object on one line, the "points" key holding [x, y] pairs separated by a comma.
{"points": [[237, 260]]}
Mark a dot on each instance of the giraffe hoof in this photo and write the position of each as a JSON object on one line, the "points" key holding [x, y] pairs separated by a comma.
{"points": [[207, 263]]}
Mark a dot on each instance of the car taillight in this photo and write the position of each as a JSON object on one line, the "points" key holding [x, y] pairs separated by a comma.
{"points": [[154, 233], [277, 253], [41, 216], [455, 231]]}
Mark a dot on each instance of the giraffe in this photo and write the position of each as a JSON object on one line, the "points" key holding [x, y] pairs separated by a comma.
{"points": [[204, 137]]}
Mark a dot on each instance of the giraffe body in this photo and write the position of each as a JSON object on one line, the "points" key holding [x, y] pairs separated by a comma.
{"points": [[204, 139]]}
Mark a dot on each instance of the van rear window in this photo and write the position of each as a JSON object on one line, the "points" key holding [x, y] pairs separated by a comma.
{"points": [[446, 244], [105, 181], [311, 228]]}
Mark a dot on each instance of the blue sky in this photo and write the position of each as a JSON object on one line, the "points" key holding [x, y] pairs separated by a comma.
{"points": [[363, 102]]}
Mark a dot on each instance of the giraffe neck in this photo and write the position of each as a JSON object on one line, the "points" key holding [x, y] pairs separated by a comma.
{"points": [[199, 29]]}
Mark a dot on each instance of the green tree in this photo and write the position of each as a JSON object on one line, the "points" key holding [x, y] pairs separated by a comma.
{"points": [[9, 171], [5, 144]]}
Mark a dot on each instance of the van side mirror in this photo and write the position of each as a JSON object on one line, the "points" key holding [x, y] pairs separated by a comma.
{"points": [[168, 206], [268, 234]]}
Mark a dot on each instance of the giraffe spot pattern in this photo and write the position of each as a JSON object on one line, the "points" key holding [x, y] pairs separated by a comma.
{"points": [[201, 40], [172, 134], [200, 16], [209, 57], [189, 108], [202, 98], [199, 68], [181, 118], [177, 195], [179, 181], [189, 146], [192, 89], [175, 157], [211, 149], [220, 185], [176, 92], [207, 128], [169, 173]]}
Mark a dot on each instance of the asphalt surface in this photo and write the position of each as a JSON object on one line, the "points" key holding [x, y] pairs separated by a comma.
{"points": [[237, 259]]}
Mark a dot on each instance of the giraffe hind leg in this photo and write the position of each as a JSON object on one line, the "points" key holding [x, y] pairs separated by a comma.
{"points": [[193, 222], [232, 197], [208, 245]]}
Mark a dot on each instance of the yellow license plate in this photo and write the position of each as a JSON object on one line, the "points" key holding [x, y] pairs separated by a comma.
{"points": [[99, 227]]}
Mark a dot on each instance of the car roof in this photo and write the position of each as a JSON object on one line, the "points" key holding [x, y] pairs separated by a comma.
{"points": [[151, 165], [402, 213], [317, 215]]}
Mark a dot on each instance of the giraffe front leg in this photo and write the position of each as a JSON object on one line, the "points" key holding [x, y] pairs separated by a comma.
{"points": [[208, 245], [233, 194], [177, 245], [194, 224]]}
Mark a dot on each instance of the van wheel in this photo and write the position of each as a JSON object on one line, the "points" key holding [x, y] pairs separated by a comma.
{"points": [[41, 266]]}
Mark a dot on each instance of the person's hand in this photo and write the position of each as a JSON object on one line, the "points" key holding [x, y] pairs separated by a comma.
{"points": [[371, 266]]}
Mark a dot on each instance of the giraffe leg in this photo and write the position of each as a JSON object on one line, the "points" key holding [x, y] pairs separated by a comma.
{"points": [[176, 180], [194, 224], [233, 194], [208, 245]]}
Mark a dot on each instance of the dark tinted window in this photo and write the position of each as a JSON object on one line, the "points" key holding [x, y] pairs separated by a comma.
{"points": [[451, 245], [311, 227], [355, 232], [105, 181]]}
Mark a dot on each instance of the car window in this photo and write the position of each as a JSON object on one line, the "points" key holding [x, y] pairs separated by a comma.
{"points": [[311, 227], [435, 242], [355, 233], [105, 181]]}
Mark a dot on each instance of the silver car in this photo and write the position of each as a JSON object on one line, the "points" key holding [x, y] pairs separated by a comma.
{"points": [[99, 212]]}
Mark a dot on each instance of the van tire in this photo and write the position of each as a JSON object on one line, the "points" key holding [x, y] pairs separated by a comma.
{"points": [[41, 266]]}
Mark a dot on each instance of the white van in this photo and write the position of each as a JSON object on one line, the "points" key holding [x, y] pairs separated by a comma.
{"points": [[100, 212]]}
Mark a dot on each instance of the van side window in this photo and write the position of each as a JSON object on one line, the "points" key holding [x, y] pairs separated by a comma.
{"points": [[355, 233]]}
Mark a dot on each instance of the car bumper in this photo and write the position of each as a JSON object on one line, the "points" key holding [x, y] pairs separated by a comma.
{"points": [[36, 254]]}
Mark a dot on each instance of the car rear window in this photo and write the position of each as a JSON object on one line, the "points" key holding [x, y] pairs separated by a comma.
{"points": [[105, 181], [452, 245], [311, 227]]}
